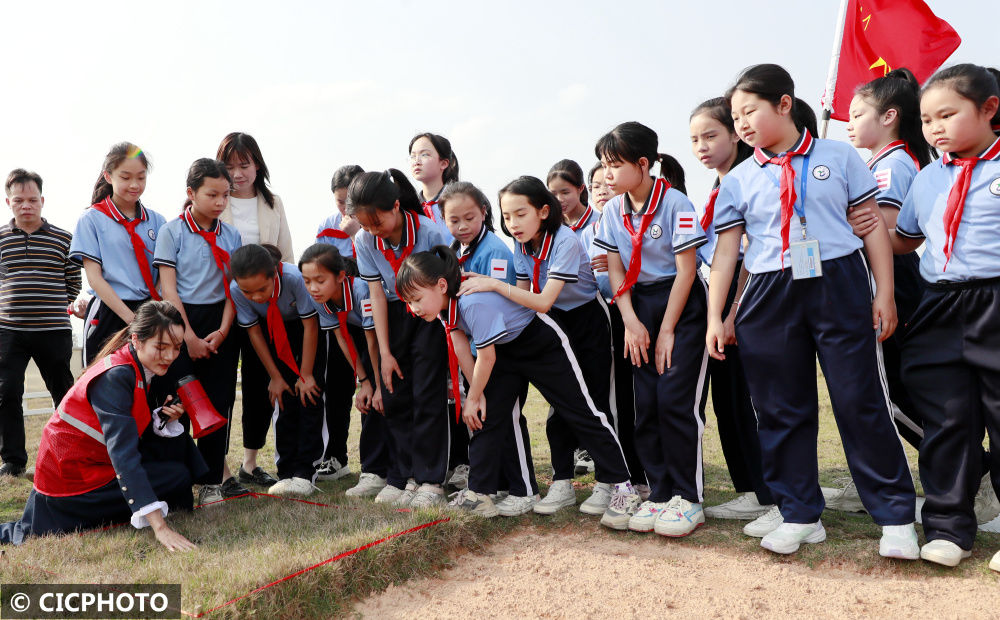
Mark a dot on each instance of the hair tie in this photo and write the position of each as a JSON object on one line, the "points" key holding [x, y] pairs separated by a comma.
{"points": [[389, 174]]}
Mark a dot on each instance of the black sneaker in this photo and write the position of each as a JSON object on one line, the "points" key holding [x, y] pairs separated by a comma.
{"points": [[11, 469], [231, 488], [258, 476]]}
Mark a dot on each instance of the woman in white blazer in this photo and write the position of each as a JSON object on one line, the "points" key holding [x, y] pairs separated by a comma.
{"points": [[259, 215]]}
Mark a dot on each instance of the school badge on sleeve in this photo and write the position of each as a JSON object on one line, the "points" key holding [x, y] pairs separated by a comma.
{"points": [[366, 308], [498, 268], [686, 223], [884, 179]]}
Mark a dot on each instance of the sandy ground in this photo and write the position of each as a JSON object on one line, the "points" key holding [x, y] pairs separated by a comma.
{"points": [[581, 576]]}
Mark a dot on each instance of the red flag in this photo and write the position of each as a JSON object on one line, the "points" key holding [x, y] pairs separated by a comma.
{"points": [[882, 35]]}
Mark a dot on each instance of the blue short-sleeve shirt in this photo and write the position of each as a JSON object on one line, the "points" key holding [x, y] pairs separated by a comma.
{"points": [[835, 180], [179, 245], [593, 251], [486, 255], [674, 228], [294, 300], [433, 207], [562, 258], [490, 318], [588, 219], [105, 241], [894, 171], [345, 246], [976, 253], [372, 263]]}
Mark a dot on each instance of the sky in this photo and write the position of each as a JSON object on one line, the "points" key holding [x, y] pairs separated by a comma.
{"points": [[515, 86]]}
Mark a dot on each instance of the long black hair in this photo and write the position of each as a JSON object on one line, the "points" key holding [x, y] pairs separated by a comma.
{"points": [[151, 319], [975, 83], [202, 169], [424, 269], [900, 90], [443, 147], [378, 191], [631, 141], [328, 257], [571, 172], [255, 259], [718, 109], [538, 196], [118, 153], [242, 147]]}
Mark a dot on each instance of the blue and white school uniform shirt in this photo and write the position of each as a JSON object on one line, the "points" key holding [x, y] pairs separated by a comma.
{"points": [[357, 304], [976, 251], [418, 231], [433, 212], [106, 242], [179, 245], [894, 169], [588, 219], [344, 244], [707, 252], [587, 235], [559, 256], [487, 255], [294, 300], [836, 179], [673, 229], [489, 318]]}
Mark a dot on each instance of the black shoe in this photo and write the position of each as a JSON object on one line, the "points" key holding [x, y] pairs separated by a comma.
{"points": [[231, 488], [11, 469], [258, 476]]}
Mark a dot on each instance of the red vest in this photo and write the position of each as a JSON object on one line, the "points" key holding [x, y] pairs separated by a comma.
{"points": [[73, 457]]}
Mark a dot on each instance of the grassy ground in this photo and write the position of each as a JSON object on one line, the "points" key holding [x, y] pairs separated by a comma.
{"points": [[246, 543]]}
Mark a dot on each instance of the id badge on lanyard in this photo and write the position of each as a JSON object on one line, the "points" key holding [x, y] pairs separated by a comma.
{"points": [[805, 257]]}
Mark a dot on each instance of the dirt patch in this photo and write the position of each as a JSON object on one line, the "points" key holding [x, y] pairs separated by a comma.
{"points": [[584, 576]]}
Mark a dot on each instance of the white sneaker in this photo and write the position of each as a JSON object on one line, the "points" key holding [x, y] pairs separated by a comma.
{"points": [[844, 498], [764, 524], [499, 496], [583, 464], [679, 518], [986, 506], [788, 537], [621, 507], [599, 500], [292, 486], [427, 496], [331, 469], [645, 516], [900, 542], [745, 507], [459, 478], [515, 506], [475, 503], [368, 485], [643, 490], [210, 494], [991, 526], [407, 495], [943, 552], [560, 495], [995, 562], [388, 494]]}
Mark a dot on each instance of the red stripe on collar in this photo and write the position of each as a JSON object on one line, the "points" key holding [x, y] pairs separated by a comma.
{"points": [[803, 147]]}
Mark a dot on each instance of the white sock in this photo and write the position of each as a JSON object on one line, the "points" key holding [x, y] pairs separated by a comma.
{"points": [[624, 487]]}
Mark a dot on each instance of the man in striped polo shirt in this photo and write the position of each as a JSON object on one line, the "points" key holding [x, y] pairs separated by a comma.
{"points": [[37, 284]]}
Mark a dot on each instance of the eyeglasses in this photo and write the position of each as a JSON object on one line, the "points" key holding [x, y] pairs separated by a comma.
{"points": [[420, 156]]}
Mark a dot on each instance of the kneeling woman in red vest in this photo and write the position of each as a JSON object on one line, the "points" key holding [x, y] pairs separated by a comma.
{"points": [[105, 457]]}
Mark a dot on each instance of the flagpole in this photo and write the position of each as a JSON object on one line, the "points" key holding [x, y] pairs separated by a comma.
{"points": [[831, 75]]}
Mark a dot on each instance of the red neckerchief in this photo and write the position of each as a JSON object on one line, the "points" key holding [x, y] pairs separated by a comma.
{"points": [[788, 196], [336, 233], [342, 319], [959, 190], [108, 208], [411, 225], [211, 238], [888, 148], [276, 327], [580, 223], [470, 249], [706, 220], [660, 187], [450, 323], [429, 210], [543, 254]]}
